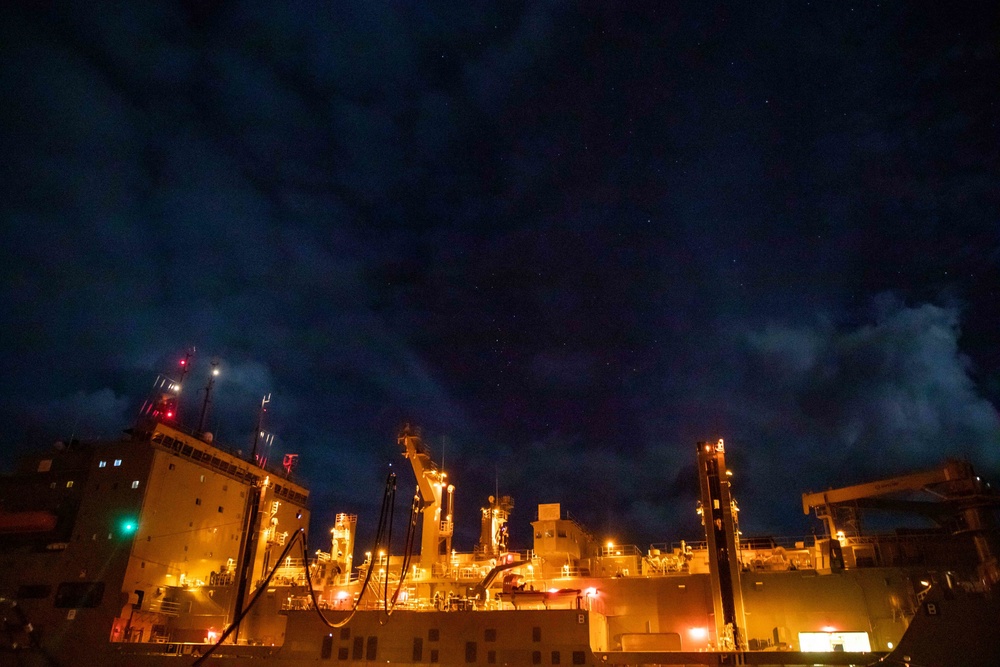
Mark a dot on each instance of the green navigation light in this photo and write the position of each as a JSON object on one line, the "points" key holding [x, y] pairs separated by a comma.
{"points": [[129, 526]]}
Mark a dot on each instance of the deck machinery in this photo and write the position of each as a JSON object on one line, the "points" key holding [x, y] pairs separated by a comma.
{"points": [[959, 502]]}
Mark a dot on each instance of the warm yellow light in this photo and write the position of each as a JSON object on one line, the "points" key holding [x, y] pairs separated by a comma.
{"points": [[590, 592], [611, 545], [829, 628], [698, 633]]}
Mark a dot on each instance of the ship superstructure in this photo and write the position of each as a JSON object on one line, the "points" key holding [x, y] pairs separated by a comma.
{"points": [[140, 539]]}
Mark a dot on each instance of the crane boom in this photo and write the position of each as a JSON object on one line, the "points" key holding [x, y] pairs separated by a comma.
{"points": [[436, 532], [952, 471], [959, 491]]}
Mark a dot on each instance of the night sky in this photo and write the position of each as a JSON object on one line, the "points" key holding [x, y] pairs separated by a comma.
{"points": [[568, 240]]}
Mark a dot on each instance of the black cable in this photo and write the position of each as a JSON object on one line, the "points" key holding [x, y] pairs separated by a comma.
{"points": [[299, 535], [387, 497], [407, 550], [388, 548]]}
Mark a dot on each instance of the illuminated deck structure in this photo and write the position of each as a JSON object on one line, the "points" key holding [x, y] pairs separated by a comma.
{"points": [[131, 553]]}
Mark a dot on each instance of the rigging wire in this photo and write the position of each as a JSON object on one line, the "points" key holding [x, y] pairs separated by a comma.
{"points": [[388, 549]]}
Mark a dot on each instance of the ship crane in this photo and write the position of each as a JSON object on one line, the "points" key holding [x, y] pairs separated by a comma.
{"points": [[437, 530], [961, 498]]}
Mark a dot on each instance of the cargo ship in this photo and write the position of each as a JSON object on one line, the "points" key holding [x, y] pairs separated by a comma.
{"points": [[164, 547]]}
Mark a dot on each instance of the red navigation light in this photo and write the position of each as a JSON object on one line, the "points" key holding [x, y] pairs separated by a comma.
{"points": [[170, 414], [184, 362]]}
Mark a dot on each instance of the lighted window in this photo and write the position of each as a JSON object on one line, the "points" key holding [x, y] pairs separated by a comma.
{"points": [[69, 484], [102, 464], [118, 462], [135, 484], [853, 642], [202, 478]]}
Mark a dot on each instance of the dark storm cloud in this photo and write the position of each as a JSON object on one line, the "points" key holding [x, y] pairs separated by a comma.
{"points": [[895, 389], [571, 240], [822, 405]]}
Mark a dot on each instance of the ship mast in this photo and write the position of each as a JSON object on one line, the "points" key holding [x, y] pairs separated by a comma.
{"points": [[718, 515], [208, 395], [258, 432]]}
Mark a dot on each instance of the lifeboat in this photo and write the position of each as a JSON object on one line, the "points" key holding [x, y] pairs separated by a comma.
{"points": [[34, 521]]}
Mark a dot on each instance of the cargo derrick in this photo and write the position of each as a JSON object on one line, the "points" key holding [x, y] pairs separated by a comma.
{"points": [[437, 530]]}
